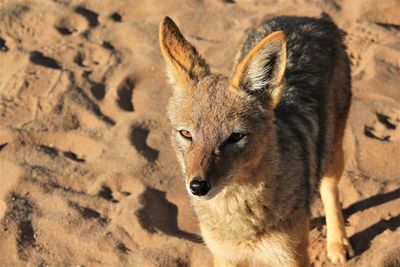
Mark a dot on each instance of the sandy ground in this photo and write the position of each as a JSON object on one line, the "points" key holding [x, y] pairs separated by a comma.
{"points": [[87, 174]]}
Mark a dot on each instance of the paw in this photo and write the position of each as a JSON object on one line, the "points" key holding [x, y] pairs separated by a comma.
{"points": [[340, 251]]}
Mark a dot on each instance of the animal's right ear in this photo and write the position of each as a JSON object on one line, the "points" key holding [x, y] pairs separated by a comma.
{"points": [[262, 70], [184, 64]]}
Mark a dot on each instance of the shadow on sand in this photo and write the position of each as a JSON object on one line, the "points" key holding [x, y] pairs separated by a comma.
{"points": [[158, 214], [361, 240]]}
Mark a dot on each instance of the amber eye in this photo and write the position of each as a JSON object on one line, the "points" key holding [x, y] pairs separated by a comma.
{"points": [[235, 137], [186, 134]]}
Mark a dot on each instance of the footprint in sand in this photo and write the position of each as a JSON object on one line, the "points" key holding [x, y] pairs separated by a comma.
{"points": [[3, 46], [73, 156], [106, 193], [79, 58], [71, 23], [78, 21], [64, 30], [122, 248], [124, 94], [20, 211], [116, 17], [139, 141], [98, 89], [107, 45], [385, 127], [89, 213], [74, 146], [38, 58], [53, 152], [116, 95], [91, 17], [78, 96], [93, 56], [96, 61]]}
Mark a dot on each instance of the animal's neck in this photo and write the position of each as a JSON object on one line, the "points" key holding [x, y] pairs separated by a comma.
{"points": [[240, 210]]}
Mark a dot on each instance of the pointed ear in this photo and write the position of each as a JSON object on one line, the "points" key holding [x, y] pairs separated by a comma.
{"points": [[184, 64], [263, 68]]}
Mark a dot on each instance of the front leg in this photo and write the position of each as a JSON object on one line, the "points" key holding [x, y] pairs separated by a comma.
{"points": [[338, 245]]}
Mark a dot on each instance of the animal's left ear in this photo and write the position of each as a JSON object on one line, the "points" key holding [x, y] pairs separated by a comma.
{"points": [[263, 68], [184, 64]]}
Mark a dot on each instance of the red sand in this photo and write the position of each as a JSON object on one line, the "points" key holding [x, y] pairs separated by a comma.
{"points": [[87, 173]]}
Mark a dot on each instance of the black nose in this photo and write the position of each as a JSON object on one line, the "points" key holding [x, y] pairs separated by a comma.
{"points": [[199, 187]]}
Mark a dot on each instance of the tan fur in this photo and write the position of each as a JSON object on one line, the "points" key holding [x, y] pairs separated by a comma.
{"points": [[274, 39], [182, 57], [250, 218]]}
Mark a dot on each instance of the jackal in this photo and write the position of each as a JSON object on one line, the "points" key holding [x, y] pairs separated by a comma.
{"points": [[254, 147]]}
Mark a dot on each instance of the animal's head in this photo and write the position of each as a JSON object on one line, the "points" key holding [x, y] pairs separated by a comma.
{"points": [[222, 128]]}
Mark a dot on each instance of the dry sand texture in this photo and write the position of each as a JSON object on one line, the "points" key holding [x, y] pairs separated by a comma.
{"points": [[87, 174]]}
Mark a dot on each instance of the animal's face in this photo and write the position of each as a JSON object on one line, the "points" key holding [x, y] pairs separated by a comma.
{"points": [[218, 133], [220, 126]]}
